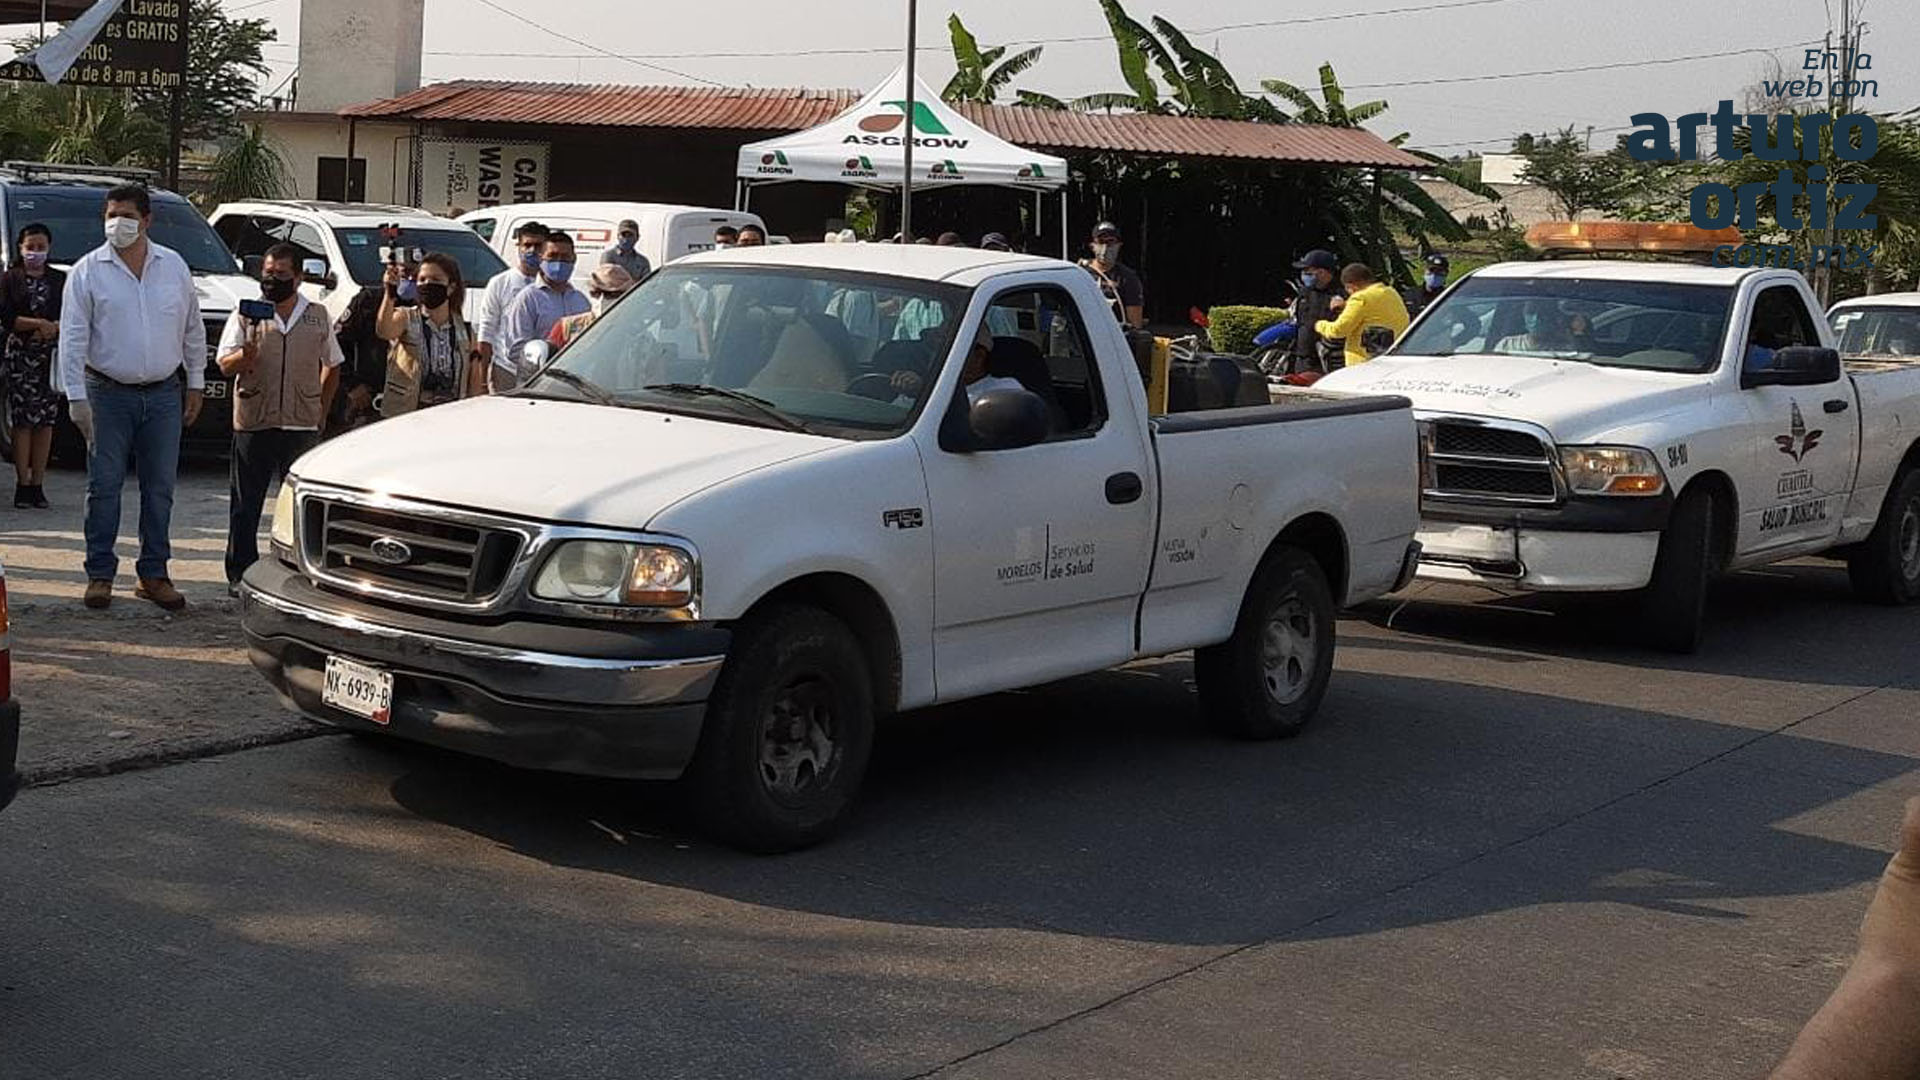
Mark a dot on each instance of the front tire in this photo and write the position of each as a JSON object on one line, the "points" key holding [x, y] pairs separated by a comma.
{"points": [[1267, 680], [1672, 609], [1885, 569], [788, 732]]}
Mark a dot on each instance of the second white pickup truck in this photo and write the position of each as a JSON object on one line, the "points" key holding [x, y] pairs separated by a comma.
{"points": [[777, 493], [1637, 427]]}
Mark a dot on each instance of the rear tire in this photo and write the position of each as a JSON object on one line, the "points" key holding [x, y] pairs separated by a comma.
{"points": [[1885, 568], [788, 732], [1267, 680], [1672, 609]]}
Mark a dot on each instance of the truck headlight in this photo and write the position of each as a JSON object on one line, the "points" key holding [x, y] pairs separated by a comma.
{"points": [[284, 529], [612, 572], [1611, 470]]}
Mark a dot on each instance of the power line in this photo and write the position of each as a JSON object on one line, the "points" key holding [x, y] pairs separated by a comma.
{"points": [[509, 12], [600, 53], [1572, 70]]}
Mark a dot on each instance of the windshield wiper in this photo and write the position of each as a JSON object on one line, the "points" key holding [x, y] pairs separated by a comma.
{"points": [[595, 393], [760, 405]]}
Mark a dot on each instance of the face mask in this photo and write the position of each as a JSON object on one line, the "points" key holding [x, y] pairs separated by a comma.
{"points": [[722, 244], [1106, 254], [1436, 281], [1307, 279], [530, 260], [626, 243], [407, 291], [601, 302], [277, 290], [433, 294], [557, 271], [34, 259], [122, 232]]}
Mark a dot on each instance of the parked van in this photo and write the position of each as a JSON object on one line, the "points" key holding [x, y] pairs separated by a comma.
{"points": [[667, 231]]}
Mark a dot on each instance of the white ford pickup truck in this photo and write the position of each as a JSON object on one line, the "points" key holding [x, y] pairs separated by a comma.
{"points": [[1637, 427], [777, 493]]}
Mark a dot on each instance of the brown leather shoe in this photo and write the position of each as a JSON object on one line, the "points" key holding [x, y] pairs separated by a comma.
{"points": [[99, 594], [161, 591]]}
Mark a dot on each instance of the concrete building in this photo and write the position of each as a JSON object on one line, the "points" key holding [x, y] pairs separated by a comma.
{"points": [[350, 51]]}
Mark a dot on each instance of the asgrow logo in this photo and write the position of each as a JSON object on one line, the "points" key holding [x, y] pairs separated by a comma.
{"points": [[946, 170], [859, 168], [880, 129], [775, 162], [1031, 172], [924, 120]]}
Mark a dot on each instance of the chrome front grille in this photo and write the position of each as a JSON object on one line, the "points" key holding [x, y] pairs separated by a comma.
{"points": [[1472, 460], [408, 553]]}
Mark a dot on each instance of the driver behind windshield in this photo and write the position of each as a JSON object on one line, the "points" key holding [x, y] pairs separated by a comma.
{"points": [[1548, 330]]}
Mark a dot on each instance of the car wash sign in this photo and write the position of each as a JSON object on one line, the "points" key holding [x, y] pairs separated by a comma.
{"points": [[124, 44], [473, 174]]}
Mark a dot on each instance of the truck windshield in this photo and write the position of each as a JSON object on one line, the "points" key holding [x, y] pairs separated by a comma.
{"points": [[849, 355], [1654, 326], [361, 249], [74, 216], [1878, 333]]}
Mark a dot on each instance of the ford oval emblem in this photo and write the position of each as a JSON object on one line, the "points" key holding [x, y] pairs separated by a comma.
{"points": [[392, 552]]}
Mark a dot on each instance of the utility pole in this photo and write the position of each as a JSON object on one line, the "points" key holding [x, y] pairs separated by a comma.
{"points": [[906, 145]]}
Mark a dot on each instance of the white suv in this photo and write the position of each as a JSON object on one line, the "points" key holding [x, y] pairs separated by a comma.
{"points": [[348, 238]]}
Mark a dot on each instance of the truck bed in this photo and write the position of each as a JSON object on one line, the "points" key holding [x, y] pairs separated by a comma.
{"points": [[1287, 406]]}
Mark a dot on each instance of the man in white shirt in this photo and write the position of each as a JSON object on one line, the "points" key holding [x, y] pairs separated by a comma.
{"points": [[284, 369], [490, 320], [133, 364]]}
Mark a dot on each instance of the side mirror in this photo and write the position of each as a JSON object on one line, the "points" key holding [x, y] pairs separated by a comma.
{"points": [[251, 265], [317, 272], [1003, 419], [534, 355], [1796, 365]]}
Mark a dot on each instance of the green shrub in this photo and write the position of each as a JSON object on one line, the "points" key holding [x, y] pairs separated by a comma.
{"points": [[1235, 324]]}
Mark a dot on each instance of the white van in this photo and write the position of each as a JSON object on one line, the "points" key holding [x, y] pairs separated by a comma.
{"points": [[667, 231]]}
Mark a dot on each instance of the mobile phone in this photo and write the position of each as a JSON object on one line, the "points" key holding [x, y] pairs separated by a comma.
{"points": [[257, 310]]}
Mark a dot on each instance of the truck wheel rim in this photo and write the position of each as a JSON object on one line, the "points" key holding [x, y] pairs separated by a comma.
{"points": [[1910, 542], [1287, 652], [797, 744]]}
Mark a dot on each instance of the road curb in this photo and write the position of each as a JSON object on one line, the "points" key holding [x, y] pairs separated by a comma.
{"points": [[50, 776]]}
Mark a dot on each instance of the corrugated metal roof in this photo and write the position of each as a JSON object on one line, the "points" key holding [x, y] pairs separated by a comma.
{"points": [[750, 110]]}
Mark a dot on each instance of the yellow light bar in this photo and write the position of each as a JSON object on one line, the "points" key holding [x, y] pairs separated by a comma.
{"points": [[1652, 237]]}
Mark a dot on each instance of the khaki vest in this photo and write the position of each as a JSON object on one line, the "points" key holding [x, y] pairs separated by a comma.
{"points": [[407, 361], [283, 389]]}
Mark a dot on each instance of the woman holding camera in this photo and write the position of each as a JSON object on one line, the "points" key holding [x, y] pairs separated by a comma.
{"points": [[434, 357]]}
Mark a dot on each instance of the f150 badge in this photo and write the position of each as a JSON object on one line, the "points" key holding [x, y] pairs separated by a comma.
{"points": [[1798, 442], [910, 518]]}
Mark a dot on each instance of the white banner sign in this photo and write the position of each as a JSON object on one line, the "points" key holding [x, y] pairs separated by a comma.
{"points": [[473, 174]]}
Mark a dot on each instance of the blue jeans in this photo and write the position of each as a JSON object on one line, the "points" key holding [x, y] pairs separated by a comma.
{"points": [[141, 428]]}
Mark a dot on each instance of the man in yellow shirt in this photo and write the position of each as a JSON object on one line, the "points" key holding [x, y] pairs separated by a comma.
{"points": [[1372, 319]]}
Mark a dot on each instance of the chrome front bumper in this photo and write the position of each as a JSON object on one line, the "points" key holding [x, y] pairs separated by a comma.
{"points": [[609, 701]]}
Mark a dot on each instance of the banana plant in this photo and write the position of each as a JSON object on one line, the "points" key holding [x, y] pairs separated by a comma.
{"points": [[980, 74]]}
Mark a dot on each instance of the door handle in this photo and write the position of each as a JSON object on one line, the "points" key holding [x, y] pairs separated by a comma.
{"points": [[1123, 488], [1835, 405]]}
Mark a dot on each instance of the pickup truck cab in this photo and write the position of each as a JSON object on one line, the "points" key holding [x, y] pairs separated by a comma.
{"points": [[777, 493], [1637, 427], [346, 239]]}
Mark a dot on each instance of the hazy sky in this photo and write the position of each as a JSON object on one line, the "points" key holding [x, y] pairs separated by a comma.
{"points": [[1473, 40]]}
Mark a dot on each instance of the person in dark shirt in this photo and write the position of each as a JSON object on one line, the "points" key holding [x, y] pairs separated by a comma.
{"points": [[1320, 300], [1119, 282], [1432, 284]]}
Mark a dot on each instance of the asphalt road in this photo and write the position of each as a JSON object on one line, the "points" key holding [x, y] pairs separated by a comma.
{"points": [[1509, 848]]}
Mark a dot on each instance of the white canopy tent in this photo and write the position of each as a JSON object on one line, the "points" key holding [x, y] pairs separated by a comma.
{"points": [[866, 147]]}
